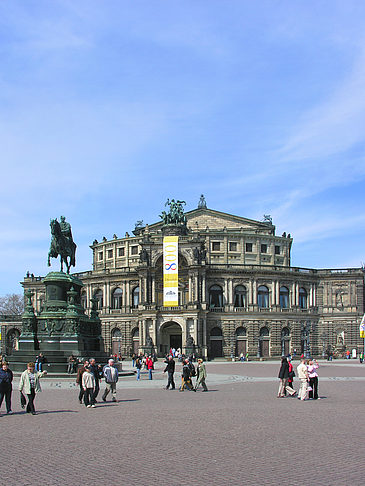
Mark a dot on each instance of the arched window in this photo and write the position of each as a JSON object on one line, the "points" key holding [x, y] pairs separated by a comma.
{"points": [[240, 293], [303, 300], [263, 296], [99, 297], [216, 331], [135, 297], [83, 300], [285, 332], [241, 331], [264, 332], [215, 296], [116, 333], [284, 297], [135, 333], [117, 298]]}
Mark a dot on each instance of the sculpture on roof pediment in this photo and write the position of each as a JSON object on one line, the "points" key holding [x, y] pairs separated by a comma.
{"points": [[200, 254], [267, 219], [202, 204], [176, 213]]}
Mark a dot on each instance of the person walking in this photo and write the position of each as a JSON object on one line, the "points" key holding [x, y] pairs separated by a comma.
{"points": [[110, 373], [186, 377], [29, 383], [313, 379], [139, 367], [291, 373], [284, 375], [6, 387], [88, 384], [170, 368], [150, 367], [302, 371], [80, 372], [201, 374], [94, 369]]}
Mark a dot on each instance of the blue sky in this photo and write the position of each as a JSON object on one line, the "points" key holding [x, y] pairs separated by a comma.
{"points": [[109, 107]]}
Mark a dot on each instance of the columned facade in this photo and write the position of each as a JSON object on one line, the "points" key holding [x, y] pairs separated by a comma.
{"points": [[238, 293]]}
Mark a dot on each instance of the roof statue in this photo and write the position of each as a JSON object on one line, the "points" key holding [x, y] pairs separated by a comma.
{"points": [[267, 218], [62, 244], [202, 204], [176, 214]]}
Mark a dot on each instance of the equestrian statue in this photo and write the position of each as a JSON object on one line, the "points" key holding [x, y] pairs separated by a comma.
{"points": [[62, 243]]}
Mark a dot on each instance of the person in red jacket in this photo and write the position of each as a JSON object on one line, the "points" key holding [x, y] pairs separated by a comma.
{"points": [[149, 363]]}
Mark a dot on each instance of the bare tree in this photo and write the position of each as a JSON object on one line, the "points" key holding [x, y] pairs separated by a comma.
{"points": [[12, 304]]}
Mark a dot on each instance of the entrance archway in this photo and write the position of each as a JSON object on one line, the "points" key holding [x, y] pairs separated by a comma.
{"points": [[216, 343], [170, 337]]}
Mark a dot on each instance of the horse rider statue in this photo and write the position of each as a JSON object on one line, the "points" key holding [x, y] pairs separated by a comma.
{"points": [[62, 243]]}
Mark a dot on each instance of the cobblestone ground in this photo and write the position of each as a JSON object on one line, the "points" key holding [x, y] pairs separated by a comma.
{"points": [[237, 433]]}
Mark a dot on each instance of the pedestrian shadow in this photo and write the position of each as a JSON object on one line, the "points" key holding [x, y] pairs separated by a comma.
{"points": [[44, 412], [130, 400]]}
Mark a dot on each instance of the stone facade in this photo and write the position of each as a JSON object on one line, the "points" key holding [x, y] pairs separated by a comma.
{"points": [[238, 293]]}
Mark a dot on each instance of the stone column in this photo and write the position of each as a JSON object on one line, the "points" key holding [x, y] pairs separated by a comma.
{"points": [[124, 302], [204, 340], [293, 297], [311, 296], [105, 297], [127, 294], [196, 297], [153, 296], [230, 291], [277, 293], [195, 332], [255, 292], [250, 292], [225, 292], [140, 327], [314, 293], [297, 294], [154, 333], [204, 290]]}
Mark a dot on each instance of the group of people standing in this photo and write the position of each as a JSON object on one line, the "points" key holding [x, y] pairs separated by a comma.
{"points": [[188, 372], [308, 377], [89, 377]]}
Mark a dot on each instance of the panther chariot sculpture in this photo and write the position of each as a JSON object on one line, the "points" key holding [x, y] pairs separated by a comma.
{"points": [[62, 244]]}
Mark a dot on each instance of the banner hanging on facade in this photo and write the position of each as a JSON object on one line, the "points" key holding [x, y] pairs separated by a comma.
{"points": [[362, 327], [170, 271]]}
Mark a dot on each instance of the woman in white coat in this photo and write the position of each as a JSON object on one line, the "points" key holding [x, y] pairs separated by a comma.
{"points": [[29, 384]]}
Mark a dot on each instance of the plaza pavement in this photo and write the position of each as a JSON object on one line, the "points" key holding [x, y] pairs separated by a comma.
{"points": [[237, 433]]}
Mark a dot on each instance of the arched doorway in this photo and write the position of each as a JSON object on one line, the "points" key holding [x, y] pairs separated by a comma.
{"points": [[170, 337], [241, 341], [116, 341], [216, 343], [264, 342]]}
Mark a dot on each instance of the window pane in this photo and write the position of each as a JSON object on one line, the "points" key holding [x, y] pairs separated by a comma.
{"points": [[249, 247]]}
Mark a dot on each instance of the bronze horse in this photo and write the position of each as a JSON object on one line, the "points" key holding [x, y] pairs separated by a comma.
{"points": [[61, 246]]}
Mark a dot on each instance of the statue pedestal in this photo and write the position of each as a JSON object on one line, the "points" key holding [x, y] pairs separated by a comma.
{"points": [[62, 328]]}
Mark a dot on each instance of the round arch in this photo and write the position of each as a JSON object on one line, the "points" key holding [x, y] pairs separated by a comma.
{"points": [[216, 343], [170, 336]]}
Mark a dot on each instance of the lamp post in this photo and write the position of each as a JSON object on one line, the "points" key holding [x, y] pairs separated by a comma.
{"points": [[258, 355], [306, 328]]}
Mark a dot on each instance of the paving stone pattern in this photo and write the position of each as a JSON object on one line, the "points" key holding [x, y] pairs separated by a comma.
{"points": [[237, 433]]}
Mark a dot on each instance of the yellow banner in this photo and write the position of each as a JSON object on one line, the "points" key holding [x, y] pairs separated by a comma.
{"points": [[171, 271], [362, 327]]}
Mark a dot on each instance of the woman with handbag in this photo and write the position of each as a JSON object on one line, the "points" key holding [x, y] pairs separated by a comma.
{"points": [[29, 384]]}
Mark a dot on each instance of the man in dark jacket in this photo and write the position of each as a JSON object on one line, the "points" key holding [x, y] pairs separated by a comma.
{"points": [[170, 368], [6, 378]]}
